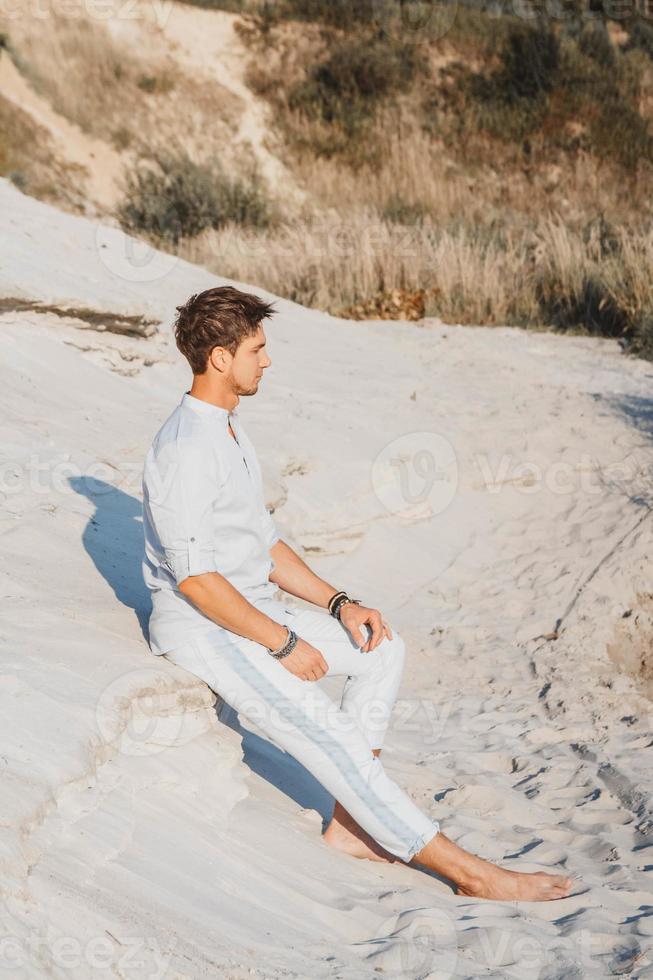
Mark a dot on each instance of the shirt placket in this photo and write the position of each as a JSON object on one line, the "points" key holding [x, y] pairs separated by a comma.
{"points": [[236, 428], [234, 425]]}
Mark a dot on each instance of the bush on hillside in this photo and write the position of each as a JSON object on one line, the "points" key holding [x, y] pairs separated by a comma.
{"points": [[233, 6], [641, 37], [156, 84], [606, 100], [597, 309], [640, 341], [175, 198], [511, 102], [576, 94], [591, 307], [337, 13], [354, 78], [620, 133], [594, 41], [530, 61]]}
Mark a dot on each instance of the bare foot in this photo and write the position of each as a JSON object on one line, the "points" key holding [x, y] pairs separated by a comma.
{"points": [[478, 878], [510, 886], [352, 840]]}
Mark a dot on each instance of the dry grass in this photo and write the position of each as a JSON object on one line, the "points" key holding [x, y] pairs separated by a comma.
{"points": [[336, 264], [595, 281], [567, 247], [423, 174]]}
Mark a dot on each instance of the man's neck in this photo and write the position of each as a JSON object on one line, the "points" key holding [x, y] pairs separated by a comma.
{"points": [[208, 393]]}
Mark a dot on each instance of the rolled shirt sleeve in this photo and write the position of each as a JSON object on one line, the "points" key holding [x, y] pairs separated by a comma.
{"points": [[181, 503]]}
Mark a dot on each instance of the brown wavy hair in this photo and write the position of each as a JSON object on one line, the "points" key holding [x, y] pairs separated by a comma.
{"points": [[218, 317]]}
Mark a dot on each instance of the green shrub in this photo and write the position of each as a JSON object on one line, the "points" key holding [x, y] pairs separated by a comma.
{"points": [[542, 85], [156, 84], [243, 201], [337, 13], [641, 37], [594, 41], [176, 198], [509, 119], [512, 102], [640, 339], [356, 76], [19, 180], [233, 6], [530, 61], [620, 133], [606, 99], [591, 307]]}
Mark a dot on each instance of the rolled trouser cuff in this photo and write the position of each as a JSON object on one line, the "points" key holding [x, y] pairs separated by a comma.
{"points": [[422, 841]]}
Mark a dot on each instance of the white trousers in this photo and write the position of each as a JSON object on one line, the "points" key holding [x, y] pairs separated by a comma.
{"points": [[333, 742]]}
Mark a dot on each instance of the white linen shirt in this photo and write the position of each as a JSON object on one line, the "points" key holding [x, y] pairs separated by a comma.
{"points": [[203, 511]]}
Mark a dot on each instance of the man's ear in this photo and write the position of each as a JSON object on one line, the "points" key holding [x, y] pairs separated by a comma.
{"points": [[219, 358]]}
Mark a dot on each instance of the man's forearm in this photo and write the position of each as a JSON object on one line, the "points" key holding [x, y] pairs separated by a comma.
{"points": [[218, 599], [292, 574]]}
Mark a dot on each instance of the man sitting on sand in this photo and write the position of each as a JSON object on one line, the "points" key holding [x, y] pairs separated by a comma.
{"points": [[214, 563]]}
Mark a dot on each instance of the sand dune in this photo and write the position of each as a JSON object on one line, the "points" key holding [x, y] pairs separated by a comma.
{"points": [[488, 488]]}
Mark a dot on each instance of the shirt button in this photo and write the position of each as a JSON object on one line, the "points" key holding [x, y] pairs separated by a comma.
{"points": [[192, 539]]}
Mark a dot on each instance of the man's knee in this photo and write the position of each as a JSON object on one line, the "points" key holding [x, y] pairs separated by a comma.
{"points": [[395, 651]]}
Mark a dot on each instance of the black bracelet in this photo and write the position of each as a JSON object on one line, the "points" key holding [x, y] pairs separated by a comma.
{"points": [[336, 603], [334, 599], [337, 606], [356, 602]]}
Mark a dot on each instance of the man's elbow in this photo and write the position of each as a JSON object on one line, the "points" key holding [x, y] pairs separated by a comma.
{"points": [[194, 585]]}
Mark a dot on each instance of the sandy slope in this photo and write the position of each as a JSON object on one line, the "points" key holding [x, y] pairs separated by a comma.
{"points": [[206, 43], [140, 830], [102, 165]]}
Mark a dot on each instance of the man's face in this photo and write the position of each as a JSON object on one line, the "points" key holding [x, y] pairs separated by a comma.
{"points": [[248, 364]]}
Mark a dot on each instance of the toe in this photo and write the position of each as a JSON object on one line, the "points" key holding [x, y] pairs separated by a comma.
{"points": [[564, 886]]}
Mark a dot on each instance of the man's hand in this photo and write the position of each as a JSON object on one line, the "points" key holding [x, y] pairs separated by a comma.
{"points": [[353, 616], [305, 662]]}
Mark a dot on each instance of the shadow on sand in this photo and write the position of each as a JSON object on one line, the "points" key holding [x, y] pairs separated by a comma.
{"points": [[113, 538]]}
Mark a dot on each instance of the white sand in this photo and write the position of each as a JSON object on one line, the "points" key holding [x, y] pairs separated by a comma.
{"points": [[142, 836]]}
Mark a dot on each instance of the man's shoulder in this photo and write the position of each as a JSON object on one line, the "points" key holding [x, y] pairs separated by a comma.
{"points": [[184, 445], [181, 432]]}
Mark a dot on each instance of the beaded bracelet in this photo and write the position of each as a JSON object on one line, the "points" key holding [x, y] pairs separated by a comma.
{"points": [[288, 646]]}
